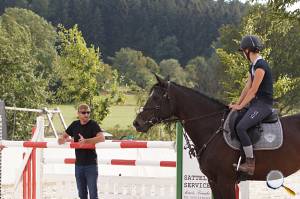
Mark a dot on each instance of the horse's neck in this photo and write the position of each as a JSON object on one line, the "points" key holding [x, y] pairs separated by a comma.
{"points": [[200, 131], [198, 116]]}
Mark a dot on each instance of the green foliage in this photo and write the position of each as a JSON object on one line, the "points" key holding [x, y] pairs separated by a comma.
{"points": [[21, 84], [163, 29], [83, 76], [282, 8], [79, 67], [134, 67], [285, 88], [236, 69], [168, 48], [43, 37], [199, 71], [172, 68], [279, 50]]}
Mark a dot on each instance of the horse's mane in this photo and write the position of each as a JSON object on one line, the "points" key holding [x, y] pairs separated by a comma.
{"points": [[201, 94], [197, 92]]}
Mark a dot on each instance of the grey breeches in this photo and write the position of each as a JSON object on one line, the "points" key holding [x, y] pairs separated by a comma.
{"points": [[257, 111]]}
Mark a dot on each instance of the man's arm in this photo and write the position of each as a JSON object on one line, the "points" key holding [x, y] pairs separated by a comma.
{"points": [[64, 138], [98, 138]]}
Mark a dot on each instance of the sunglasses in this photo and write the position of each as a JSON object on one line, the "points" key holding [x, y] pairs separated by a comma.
{"points": [[85, 112]]}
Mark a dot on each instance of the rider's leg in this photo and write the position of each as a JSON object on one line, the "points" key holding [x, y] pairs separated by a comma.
{"points": [[255, 114]]}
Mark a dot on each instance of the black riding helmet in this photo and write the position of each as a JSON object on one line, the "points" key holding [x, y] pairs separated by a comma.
{"points": [[252, 43]]}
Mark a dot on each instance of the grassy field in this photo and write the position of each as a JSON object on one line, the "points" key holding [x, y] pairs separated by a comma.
{"points": [[121, 116]]}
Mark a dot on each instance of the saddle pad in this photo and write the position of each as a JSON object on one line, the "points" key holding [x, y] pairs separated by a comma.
{"points": [[271, 138]]}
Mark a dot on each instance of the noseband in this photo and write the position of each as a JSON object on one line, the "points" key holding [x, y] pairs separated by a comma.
{"points": [[156, 119]]}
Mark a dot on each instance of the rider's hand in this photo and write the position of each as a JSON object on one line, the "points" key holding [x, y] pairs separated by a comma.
{"points": [[235, 107], [231, 105]]}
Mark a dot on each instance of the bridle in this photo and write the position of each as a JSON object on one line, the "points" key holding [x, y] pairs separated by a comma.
{"points": [[156, 119], [193, 150]]}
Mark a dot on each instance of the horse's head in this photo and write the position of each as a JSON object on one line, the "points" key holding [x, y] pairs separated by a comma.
{"points": [[157, 108]]}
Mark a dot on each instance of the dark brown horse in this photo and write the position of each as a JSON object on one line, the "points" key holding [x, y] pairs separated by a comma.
{"points": [[201, 117]]}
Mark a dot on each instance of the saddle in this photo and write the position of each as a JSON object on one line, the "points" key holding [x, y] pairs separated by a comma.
{"points": [[267, 135]]}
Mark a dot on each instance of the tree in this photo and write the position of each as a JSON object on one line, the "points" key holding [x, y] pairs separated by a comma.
{"points": [[20, 86], [282, 8], [172, 68], [134, 67], [80, 74], [43, 36], [199, 72], [286, 76], [40, 7], [179, 29], [167, 49]]}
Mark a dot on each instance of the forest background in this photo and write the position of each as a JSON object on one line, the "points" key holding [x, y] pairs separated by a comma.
{"points": [[104, 53]]}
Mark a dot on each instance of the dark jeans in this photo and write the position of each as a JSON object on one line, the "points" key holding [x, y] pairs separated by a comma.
{"points": [[257, 111], [86, 179]]}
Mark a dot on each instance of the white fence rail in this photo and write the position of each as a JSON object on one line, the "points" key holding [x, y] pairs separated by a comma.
{"points": [[109, 187]]}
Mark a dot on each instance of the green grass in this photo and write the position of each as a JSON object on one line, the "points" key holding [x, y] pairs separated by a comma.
{"points": [[121, 116]]}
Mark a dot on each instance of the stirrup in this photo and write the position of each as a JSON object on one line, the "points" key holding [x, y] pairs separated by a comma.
{"points": [[239, 163]]}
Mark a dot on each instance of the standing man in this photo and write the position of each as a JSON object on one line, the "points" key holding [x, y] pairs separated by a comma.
{"points": [[85, 131]]}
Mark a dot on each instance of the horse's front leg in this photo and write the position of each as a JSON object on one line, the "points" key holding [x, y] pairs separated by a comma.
{"points": [[215, 192], [227, 189]]}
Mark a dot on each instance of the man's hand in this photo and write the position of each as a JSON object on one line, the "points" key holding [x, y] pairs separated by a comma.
{"points": [[1, 147], [64, 138], [69, 139], [61, 140], [82, 140]]}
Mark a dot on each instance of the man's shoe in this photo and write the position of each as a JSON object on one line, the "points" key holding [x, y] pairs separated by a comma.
{"points": [[247, 167]]}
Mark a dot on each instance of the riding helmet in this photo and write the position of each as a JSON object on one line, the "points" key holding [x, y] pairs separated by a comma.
{"points": [[251, 42]]}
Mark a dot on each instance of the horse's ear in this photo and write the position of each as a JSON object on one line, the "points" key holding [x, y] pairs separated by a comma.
{"points": [[167, 78], [159, 79]]}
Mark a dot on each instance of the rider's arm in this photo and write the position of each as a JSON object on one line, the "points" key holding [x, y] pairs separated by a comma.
{"points": [[258, 77], [245, 90]]}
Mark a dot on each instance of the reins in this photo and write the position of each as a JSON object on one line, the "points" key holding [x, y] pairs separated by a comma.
{"points": [[195, 151]]}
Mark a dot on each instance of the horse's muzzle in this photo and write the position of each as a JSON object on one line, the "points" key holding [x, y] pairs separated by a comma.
{"points": [[140, 126]]}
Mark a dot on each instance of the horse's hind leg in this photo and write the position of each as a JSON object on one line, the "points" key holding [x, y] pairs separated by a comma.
{"points": [[216, 193]]}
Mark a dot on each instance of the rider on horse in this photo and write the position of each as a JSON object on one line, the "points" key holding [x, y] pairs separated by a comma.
{"points": [[256, 97]]}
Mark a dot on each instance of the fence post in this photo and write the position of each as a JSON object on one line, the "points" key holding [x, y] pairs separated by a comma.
{"points": [[3, 135], [179, 147]]}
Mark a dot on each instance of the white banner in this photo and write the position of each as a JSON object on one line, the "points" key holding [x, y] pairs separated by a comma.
{"points": [[194, 183]]}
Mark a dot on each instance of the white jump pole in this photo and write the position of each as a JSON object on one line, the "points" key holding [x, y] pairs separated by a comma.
{"points": [[103, 145], [120, 162], [31, 110]]}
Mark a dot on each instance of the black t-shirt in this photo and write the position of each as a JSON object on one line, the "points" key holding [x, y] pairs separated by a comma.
{"points": [[265, 90], [89, 130]]}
